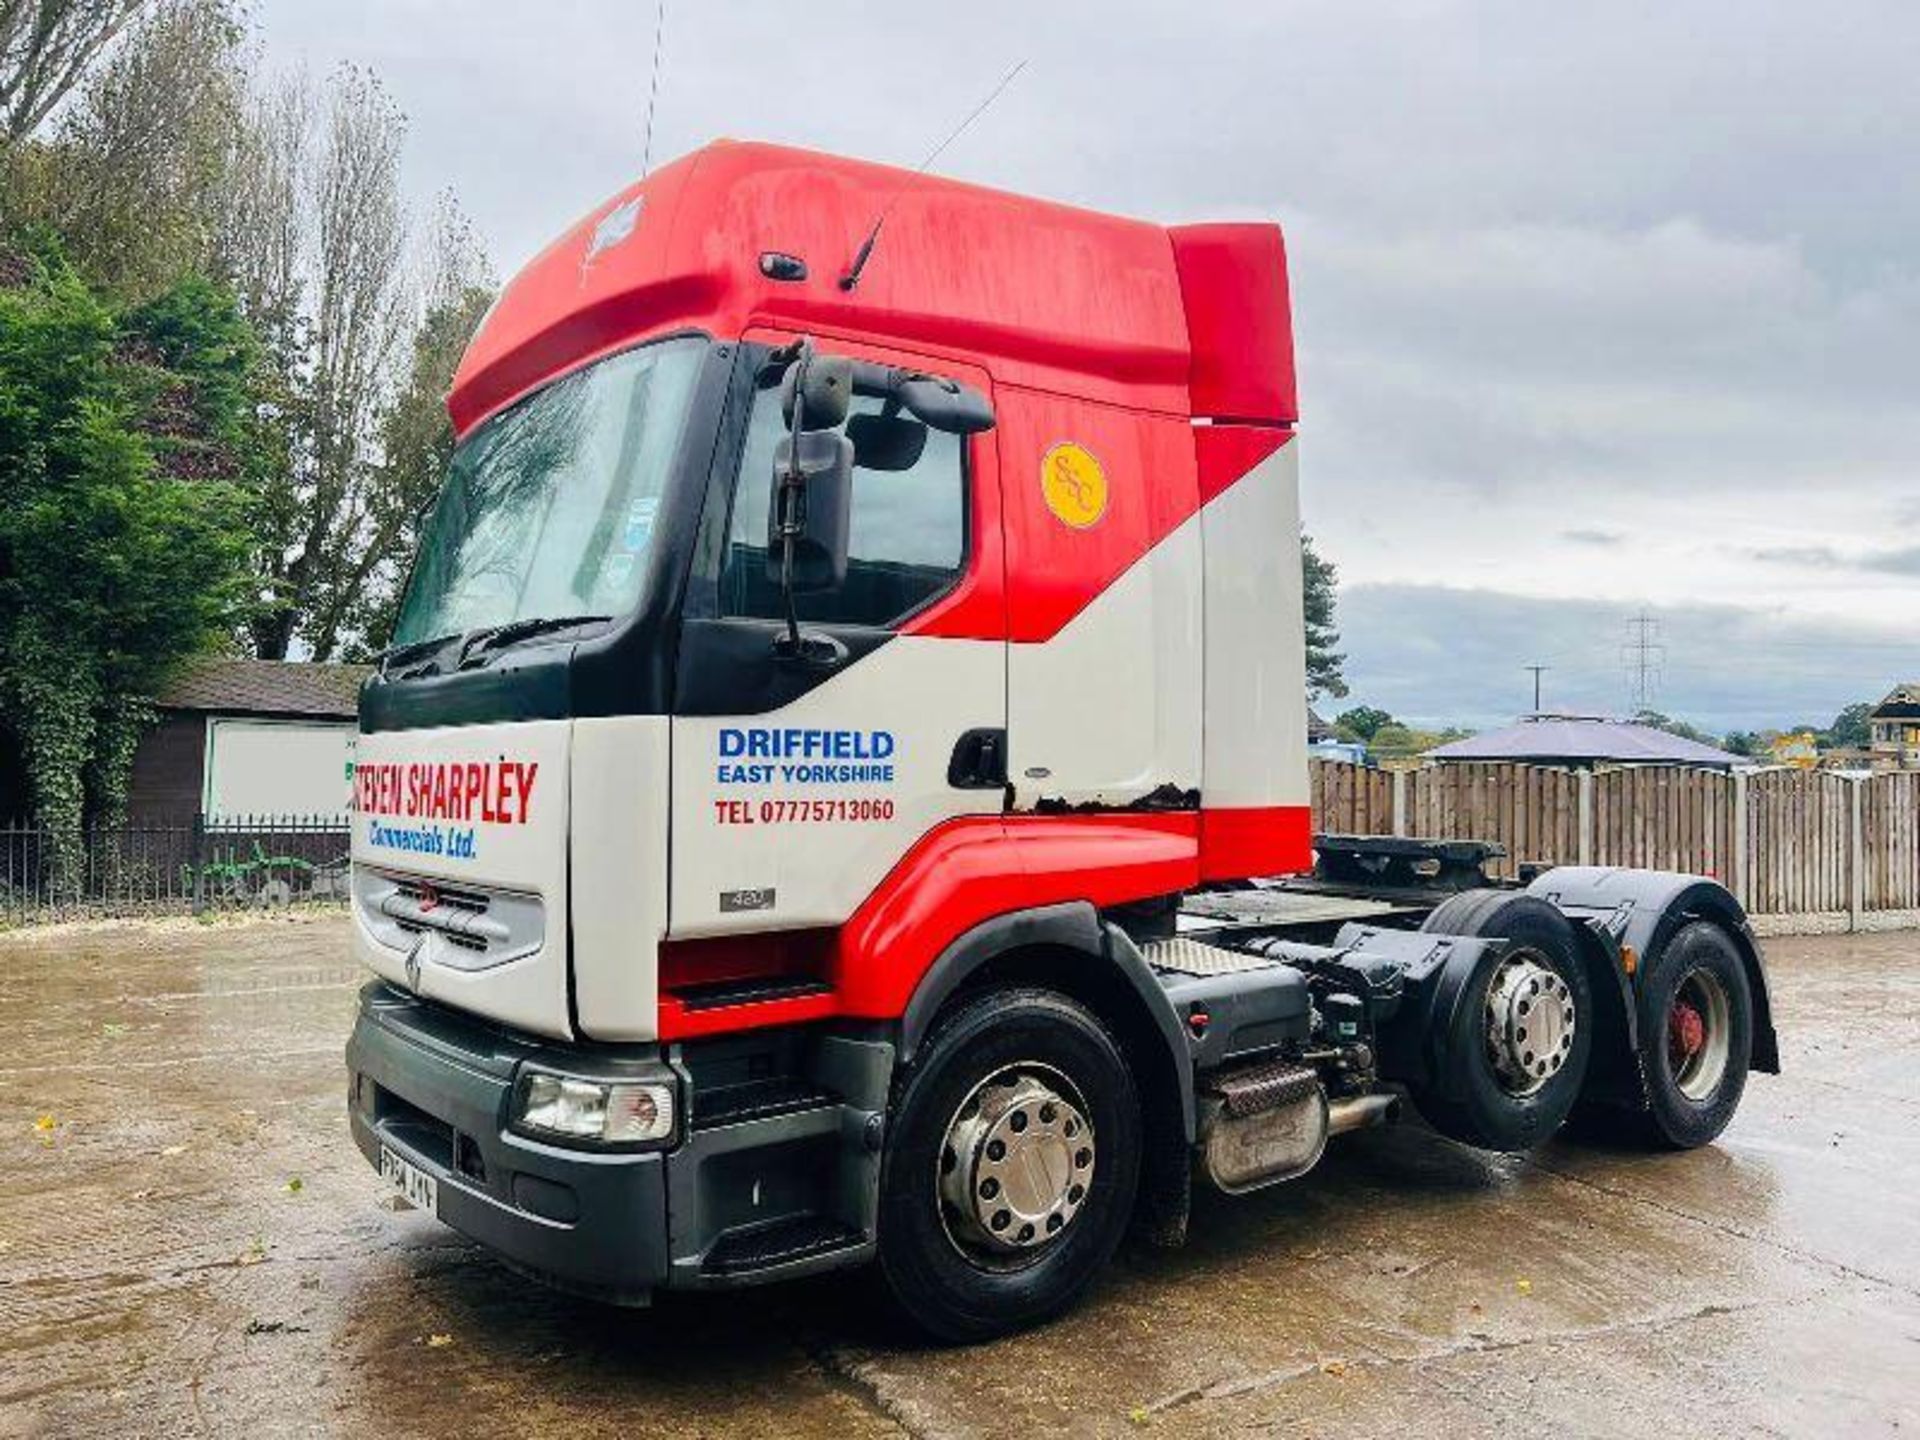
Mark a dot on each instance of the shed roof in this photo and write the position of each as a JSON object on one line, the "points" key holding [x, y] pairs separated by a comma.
{"points": [[1583, 739], [267, 687]]}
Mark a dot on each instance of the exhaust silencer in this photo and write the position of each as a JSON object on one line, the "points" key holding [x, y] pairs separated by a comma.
{"points": [[1271, 1124]]}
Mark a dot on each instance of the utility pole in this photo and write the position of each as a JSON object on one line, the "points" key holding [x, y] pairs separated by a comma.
{"points": [[1645, 656], [1537, 670]]}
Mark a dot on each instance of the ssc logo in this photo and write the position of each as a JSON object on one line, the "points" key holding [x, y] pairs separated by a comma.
{"points": [[1074, 485]]}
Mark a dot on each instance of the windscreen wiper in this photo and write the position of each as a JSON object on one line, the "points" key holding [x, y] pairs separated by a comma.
{"points": [[400, 654], [493, 637]]}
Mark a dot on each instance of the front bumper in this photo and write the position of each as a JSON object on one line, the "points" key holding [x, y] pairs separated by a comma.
{"points": [[774, 1173]]}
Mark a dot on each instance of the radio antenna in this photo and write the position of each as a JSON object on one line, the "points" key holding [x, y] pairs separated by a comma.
{"points": [[653, 92], [852, 277]]}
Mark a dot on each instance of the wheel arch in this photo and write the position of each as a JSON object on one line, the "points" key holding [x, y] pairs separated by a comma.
{"points": [[1645, 909], [1070, 949]]}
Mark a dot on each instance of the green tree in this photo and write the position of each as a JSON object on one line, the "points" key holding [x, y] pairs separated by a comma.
{"points": [[115, 567], [1362, 722], [1657, 721], [1320, 585], [1850, 727], [1394, 741]]}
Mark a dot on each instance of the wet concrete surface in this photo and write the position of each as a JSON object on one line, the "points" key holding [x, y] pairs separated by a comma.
{"points": [[196, 1247]]}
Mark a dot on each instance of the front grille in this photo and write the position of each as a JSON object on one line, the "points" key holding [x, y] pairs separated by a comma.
{"points": [[469, 928], [459, 915]]}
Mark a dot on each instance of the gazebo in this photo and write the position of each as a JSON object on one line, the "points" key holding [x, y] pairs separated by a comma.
{"points": [[1583, 741]]}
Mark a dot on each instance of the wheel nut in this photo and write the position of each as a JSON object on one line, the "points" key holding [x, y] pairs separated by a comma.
{"points": [[1074, 1195], [989, 1188], [996, 1150], [1017, 1121], [1001, 1219], [1048, 1113], [1054, 1222], [1082, 1158], [1026, 1234]]}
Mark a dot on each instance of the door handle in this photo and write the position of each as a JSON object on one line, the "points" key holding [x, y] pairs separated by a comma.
{"points": [[979, 761]]}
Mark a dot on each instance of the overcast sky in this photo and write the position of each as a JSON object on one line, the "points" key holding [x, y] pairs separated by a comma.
{"points": [[1599, 307]]}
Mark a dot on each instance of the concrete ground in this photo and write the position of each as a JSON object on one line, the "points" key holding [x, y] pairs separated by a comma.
{"points": [[195, 1246]]}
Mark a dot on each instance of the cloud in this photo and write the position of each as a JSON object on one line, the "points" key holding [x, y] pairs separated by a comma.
{"points": [[1434, 655], [1592, 537], [1902, 561], [1895, 562], [1818, 556]]}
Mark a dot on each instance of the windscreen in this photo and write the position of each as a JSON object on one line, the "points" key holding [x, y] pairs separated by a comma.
{"points": [[549, 508]]}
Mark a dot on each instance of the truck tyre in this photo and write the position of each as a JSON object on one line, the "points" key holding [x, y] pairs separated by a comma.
{"points": [[1011, 1165], [1516, 1054], [1696, 1035]]}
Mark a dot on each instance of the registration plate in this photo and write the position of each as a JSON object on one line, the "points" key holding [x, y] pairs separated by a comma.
{"points": [[418, 1187]]}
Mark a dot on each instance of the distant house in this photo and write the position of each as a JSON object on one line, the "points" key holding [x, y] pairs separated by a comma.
{"points": [[1798, 749], [249, 737], [1583, 741], [1894, 729]]}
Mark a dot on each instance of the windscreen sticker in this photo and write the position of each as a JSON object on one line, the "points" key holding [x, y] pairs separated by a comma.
{"points": [[640, 517]]}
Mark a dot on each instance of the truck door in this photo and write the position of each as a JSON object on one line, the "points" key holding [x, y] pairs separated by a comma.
{"points": [[797, 785]]}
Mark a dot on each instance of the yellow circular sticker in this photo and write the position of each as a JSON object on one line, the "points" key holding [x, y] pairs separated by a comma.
{"points": [[1074, 484]]}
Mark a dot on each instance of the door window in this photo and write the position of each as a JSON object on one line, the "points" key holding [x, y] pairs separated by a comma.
{"points": [[906, 533]]}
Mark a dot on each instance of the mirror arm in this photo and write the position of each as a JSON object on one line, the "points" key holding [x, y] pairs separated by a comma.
{"points": [[792, 486]]}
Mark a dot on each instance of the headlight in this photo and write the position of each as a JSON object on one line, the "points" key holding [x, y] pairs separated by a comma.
{"points": [[599, 1112]]}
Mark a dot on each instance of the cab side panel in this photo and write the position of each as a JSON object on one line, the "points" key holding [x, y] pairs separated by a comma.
{"points": [[1256, 819], [1104, 613]]}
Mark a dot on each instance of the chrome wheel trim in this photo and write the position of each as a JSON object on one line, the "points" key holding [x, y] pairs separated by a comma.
{"points": [[1015, 1166], [1703, 1070], [1530, 1022]]}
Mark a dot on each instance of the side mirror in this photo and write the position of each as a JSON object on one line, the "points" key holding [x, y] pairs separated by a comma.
{"points": [[946, 405], [887, 441], [829, 391], [813, 511]]}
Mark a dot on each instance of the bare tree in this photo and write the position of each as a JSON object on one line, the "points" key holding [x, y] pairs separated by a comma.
{"points": [[360, 320], [45, 47], [259, 205], [142, 149], [416, 440]]}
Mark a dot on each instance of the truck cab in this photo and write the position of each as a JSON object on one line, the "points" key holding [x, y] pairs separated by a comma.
{"points": [[860, 628]]}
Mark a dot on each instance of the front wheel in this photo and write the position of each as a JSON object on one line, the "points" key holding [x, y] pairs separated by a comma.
{"points": [[1011, 1167]]}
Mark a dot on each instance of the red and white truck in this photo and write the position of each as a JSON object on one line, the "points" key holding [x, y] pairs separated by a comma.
{"points": [[847, 711]]}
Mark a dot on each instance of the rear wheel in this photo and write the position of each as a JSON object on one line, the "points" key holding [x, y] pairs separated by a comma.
{"points": [[1011, 1167], [1696, 1034], [1516, 1055]]}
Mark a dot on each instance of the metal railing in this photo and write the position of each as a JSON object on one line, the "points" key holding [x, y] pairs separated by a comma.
{"points": [[145, 868]]}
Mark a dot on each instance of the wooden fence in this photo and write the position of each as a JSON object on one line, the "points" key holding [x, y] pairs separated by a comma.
{"points": [[1789, 843]]}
